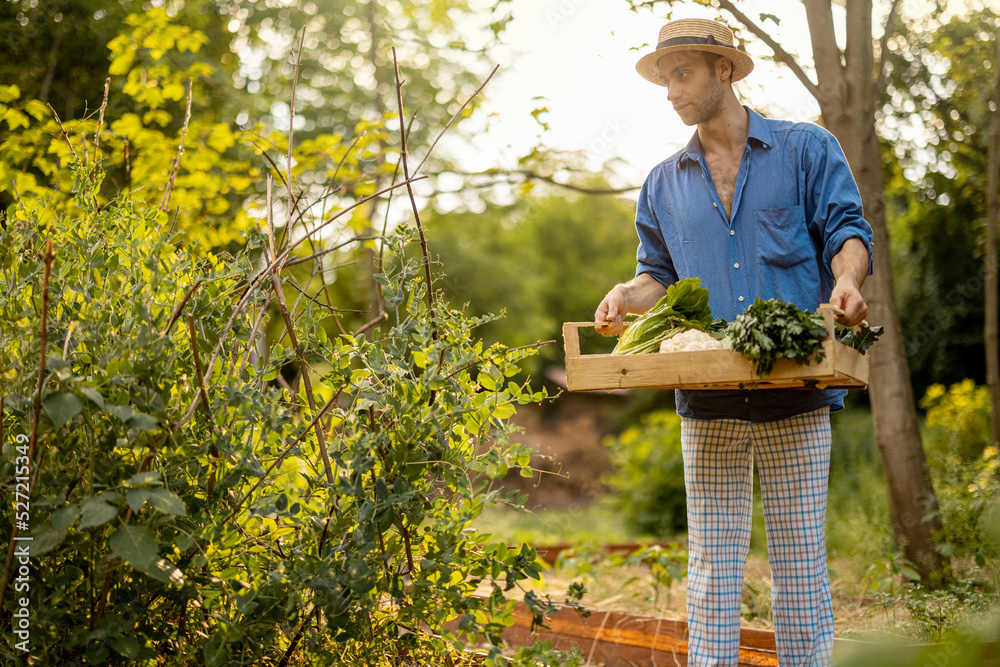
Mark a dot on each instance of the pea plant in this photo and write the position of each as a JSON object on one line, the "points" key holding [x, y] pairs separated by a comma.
{"points": [[221, 474]]}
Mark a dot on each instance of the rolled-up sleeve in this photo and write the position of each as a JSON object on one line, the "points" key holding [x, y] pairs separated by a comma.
{"points": [[833, 204], [652, 257]]}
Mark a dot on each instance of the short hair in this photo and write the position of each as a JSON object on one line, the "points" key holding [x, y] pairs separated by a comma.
{"points": [[712, 58]]}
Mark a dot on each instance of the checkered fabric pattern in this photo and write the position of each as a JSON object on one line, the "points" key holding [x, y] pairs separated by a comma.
{"points": [[793, 464]]}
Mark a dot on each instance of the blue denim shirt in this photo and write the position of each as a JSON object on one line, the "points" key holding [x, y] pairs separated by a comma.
{"points": [[794, 206]]}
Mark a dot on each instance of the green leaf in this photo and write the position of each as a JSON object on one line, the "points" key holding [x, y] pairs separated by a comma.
{"points": [[167, 572], [144, 479], [910, 574], [143, 422], [61, 407], [126, 646], [96, 512], [487, 382], [45, 538], [215, 650], [9, 93], [123, 412], [167, 502], [94, 396], [685, 306], [63, 518], [136, 498], [137, 546]]}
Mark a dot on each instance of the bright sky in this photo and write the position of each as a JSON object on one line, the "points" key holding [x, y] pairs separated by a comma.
{"points": [[578, 54]]}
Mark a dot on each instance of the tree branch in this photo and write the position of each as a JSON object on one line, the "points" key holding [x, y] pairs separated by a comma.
{"points": [[828, 58], [528, 175], [781, 54]]}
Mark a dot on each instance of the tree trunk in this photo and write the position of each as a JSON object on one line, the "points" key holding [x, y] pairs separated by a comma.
{"points": [[991, 333], [850, 115]]}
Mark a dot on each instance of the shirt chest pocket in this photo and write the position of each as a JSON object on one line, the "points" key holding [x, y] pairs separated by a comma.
{"points": [[782, 236]]}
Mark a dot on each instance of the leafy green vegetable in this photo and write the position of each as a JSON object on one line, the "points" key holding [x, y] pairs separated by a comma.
{"points": [[772, 330], [719, 328], [684, 307], [860, 340]]}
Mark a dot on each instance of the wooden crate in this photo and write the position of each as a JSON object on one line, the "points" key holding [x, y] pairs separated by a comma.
{"points": [[842, 366]]}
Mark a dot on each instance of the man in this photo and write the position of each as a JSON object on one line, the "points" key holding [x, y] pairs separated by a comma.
{"points": [[753, 207]]}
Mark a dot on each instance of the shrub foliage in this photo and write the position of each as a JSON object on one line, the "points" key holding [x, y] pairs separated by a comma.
{"points": [[220, 474]]}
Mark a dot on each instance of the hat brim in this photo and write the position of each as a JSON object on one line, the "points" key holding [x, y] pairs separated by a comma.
{"points": [[742, 63]]}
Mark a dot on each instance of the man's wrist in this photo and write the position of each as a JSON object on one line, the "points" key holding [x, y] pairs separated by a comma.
{"points": [[849, 282]]}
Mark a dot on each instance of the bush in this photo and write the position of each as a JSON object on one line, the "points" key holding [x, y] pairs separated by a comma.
{"points": [[647, 485], [190, 504], [964, 466]]}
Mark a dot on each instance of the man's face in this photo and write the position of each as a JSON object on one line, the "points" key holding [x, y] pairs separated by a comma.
{"points": [[694, 89]]}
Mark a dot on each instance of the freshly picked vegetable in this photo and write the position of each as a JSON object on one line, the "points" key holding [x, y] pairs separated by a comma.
{"points": [[690, 341], [719, 328], [684, 307], [860, 340], [772, 330]]}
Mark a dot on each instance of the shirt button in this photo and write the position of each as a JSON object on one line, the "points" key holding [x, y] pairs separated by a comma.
{"points": [[715, 205], [741, 298], [736, 265], [732, 232]]}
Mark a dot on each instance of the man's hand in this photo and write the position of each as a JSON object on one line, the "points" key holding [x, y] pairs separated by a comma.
{"points": [[850, 266], [636, 296], [848, 298], [611, 310]]}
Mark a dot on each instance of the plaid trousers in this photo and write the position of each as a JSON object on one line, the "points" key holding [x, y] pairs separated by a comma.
{"points": [[793, 465]]}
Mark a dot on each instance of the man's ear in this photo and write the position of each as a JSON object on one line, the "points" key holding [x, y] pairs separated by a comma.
{"points": [[724, 67]]}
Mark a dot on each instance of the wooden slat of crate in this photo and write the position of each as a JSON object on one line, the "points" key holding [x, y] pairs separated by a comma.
{"points": [[841, 366]]}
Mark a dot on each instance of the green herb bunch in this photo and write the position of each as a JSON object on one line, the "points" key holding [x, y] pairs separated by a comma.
{"points": [[771, 330], [685, 306]]}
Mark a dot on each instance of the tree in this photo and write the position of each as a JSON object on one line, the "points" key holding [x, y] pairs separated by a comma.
{"points": [[847, 87], [991, 332], [937, 76], [442, 48]]}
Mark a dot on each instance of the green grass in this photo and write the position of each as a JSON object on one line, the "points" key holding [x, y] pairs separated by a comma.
{"points": [[595, 523]]}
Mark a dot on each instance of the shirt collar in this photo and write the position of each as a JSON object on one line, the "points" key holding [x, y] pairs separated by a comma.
{"points": [[758, 132]]}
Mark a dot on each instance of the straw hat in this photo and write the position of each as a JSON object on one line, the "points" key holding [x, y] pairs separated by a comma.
{"points": [[694, 35]]}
